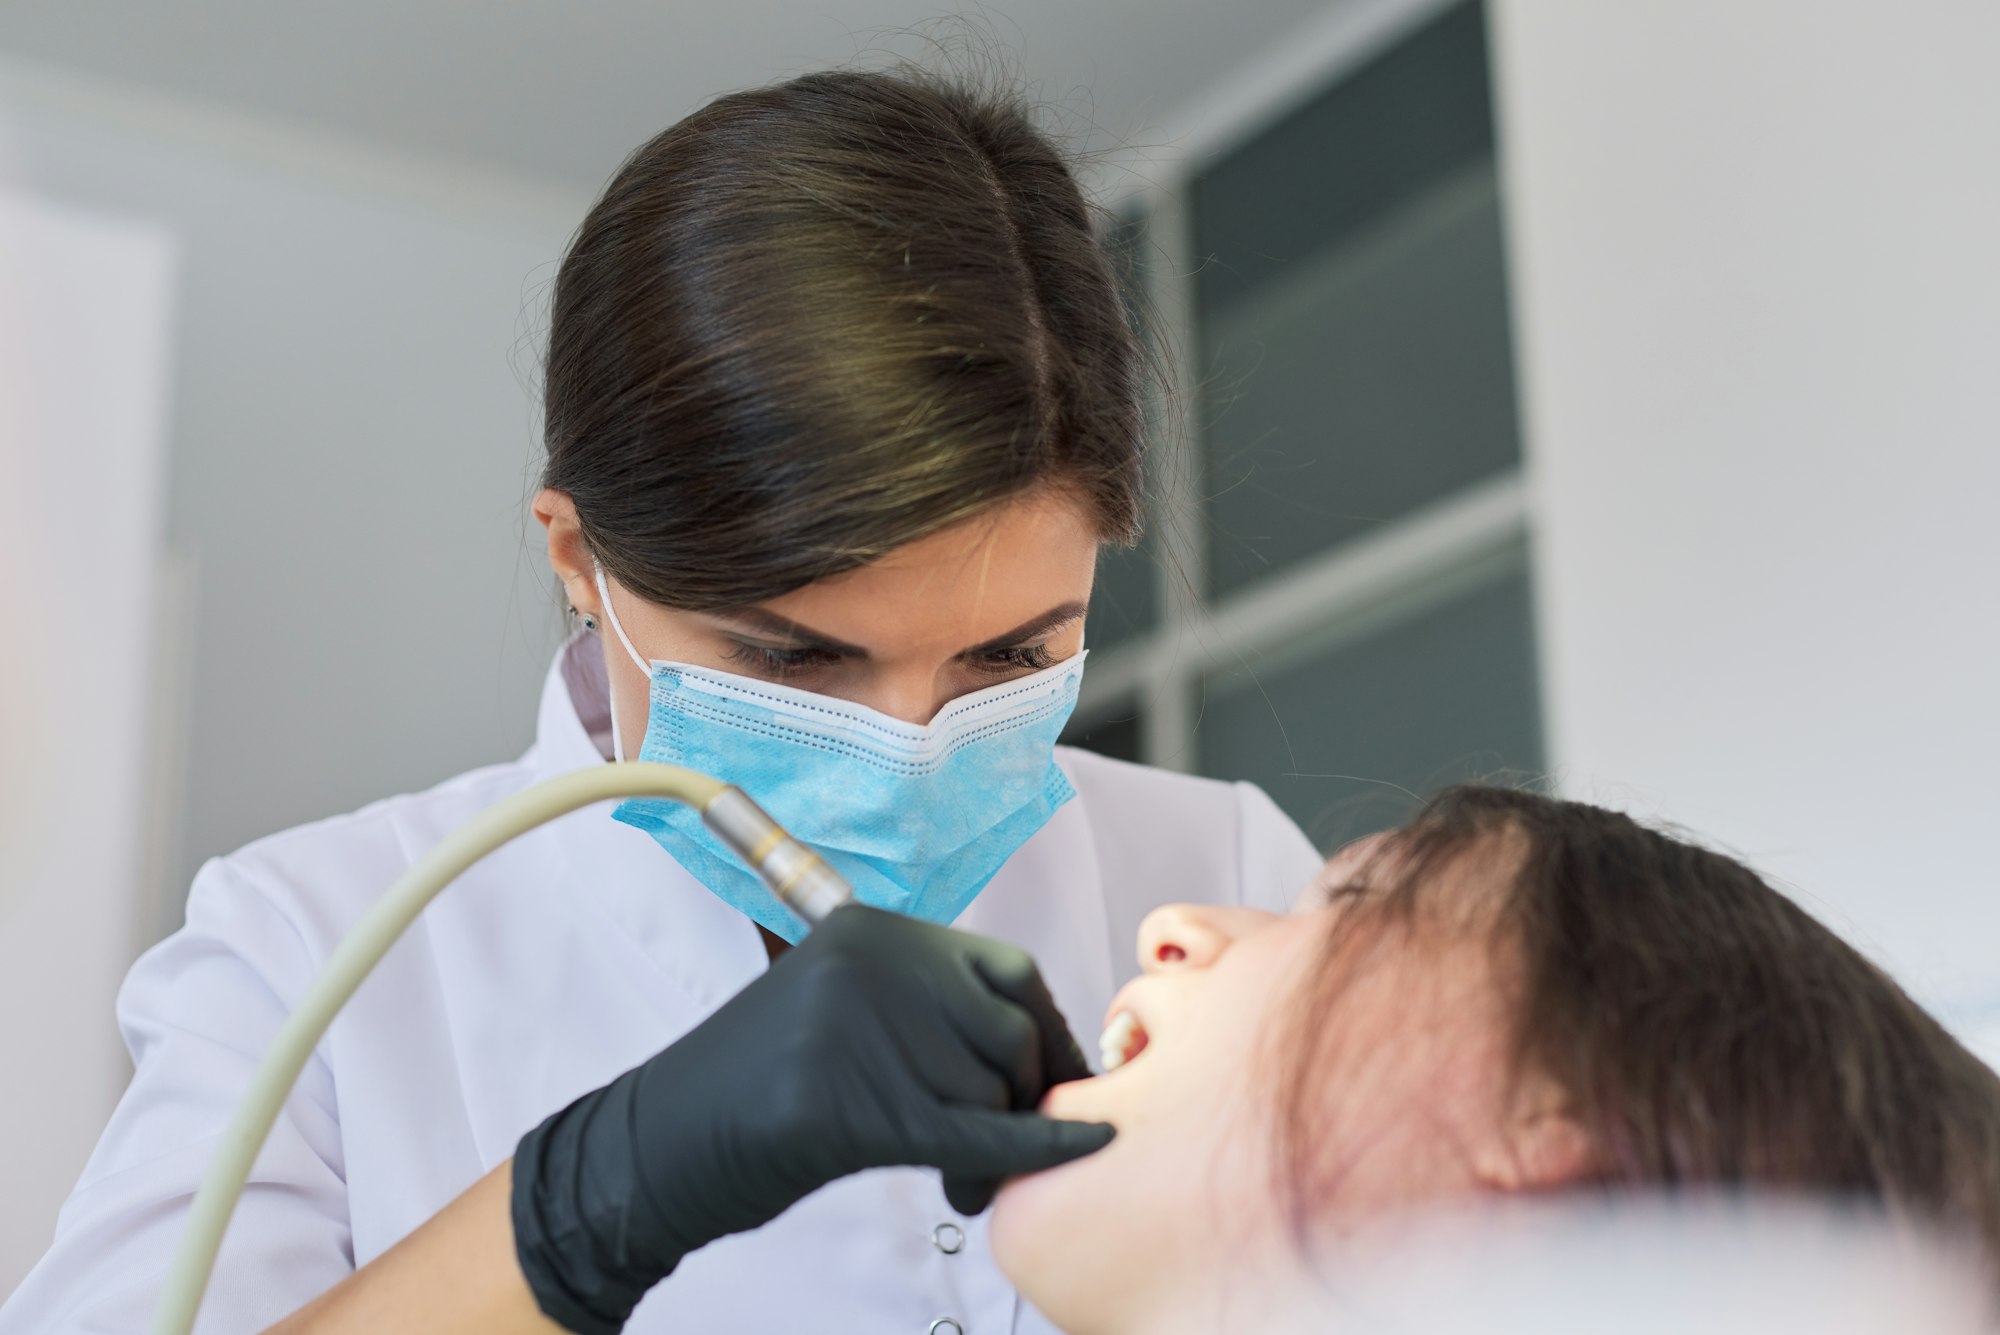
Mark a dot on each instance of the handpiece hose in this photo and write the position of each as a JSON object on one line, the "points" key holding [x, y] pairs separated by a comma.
{"points": [[807, 885]]}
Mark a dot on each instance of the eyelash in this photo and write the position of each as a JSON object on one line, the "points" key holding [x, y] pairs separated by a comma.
{"points": [[782, 663], [1023, 658]]}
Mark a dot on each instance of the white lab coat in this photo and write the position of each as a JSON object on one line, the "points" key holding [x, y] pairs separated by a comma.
{"points": [[565, 958]]}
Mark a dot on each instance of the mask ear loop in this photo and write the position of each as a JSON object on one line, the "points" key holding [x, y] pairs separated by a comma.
{"points": [[611, 615]]}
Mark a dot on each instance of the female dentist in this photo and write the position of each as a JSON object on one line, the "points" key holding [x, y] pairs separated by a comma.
{"points": [[841, 405]]}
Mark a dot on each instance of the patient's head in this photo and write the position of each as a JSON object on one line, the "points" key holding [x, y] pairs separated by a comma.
{"points": [[1510, 996]]}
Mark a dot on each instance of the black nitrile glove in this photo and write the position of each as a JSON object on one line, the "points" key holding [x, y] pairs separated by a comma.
{"points": [[879, 1040]]}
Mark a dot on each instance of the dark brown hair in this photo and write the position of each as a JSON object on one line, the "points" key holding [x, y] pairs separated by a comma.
{"points": [[813, 322], [1707, 1032]]}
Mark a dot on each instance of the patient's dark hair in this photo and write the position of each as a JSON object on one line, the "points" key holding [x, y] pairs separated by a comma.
{"points": [[813, 322], [1707, 1032]]}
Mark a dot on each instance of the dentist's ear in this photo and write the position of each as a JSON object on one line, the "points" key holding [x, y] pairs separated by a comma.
{"points": [[569, 554]]}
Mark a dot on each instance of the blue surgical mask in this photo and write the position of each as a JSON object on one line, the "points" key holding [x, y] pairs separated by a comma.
{"points": [[917, 817]]}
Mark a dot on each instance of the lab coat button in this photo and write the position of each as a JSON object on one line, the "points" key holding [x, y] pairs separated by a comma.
{"points": [[948, 1238], [944, 1325]]}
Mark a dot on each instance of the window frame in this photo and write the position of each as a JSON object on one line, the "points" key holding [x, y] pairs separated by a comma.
{"points": [[1197, 636]]}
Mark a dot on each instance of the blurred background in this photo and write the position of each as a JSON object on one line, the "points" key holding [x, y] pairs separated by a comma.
{"points": [[1603, 392]]}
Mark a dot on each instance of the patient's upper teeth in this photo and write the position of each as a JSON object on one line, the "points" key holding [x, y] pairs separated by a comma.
{"points": [[1117, 1037]]}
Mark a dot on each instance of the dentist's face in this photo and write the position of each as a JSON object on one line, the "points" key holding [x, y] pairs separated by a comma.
{"points": [[996, 596], [1173, 1224]]}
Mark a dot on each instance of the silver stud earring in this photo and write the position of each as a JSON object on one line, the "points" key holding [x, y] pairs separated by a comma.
{"points": [[589, 621]]}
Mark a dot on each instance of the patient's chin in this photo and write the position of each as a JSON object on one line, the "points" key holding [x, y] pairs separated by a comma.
{"points": [[1042, 1228], [1059, 1207], [1013, 1209], [1037, 1202], [1012, 1229]]}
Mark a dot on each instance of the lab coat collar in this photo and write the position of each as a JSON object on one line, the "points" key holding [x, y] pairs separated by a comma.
{"points": [[573, 729]]}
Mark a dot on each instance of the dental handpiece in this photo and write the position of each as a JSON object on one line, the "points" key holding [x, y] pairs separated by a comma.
{"points": [[796, 874]]}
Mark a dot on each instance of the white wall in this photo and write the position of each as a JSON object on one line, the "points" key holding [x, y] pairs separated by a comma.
{"points": [[1757, 286], [84, 317], [353, 435], [350, 608]]}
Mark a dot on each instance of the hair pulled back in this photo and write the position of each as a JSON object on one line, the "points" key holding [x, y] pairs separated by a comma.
{"points": [[813, 322]]}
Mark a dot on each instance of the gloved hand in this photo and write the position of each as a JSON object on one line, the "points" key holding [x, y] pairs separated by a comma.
{"points": [[879, 1040]]}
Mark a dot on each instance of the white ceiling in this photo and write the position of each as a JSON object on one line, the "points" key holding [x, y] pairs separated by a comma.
{"points": [[562, 91]]}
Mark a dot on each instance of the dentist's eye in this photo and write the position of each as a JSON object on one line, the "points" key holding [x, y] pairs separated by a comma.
{"points": [[779, 662], [1021, 658]]}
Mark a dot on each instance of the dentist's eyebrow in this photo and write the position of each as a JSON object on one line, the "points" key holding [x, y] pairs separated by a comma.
{"points": [[761, 621], [757, 620], [1053, 619]]}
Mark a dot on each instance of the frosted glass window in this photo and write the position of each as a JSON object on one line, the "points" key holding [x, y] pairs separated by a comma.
{"points": [[1125, 601], [1113, 732], [1380, 380], [1335, 731], [1355, 355], [1376, 139]]}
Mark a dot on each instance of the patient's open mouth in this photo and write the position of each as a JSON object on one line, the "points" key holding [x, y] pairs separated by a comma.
{"points": [[1123, 1039]]}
